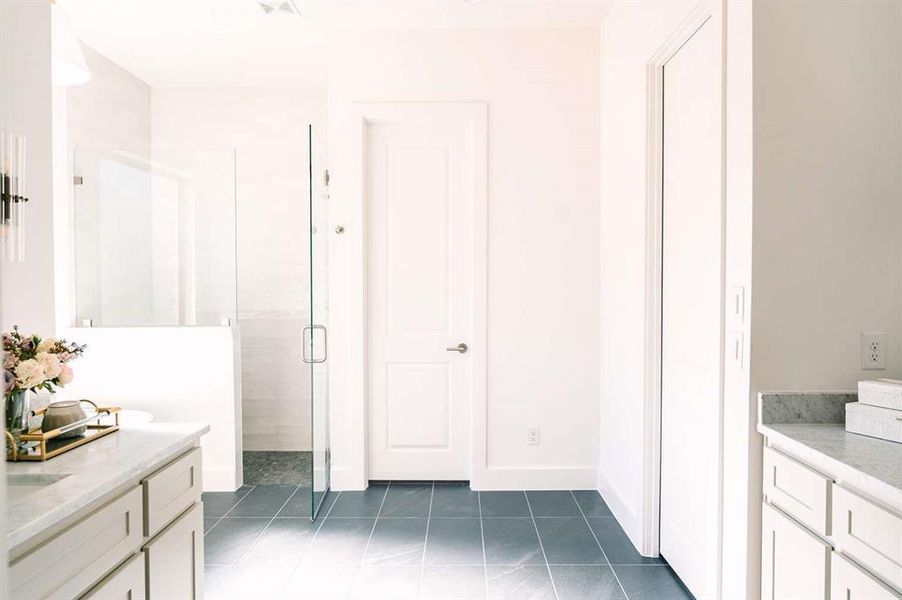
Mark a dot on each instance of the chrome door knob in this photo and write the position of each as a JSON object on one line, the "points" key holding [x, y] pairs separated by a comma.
{"points": [[461, 347]]}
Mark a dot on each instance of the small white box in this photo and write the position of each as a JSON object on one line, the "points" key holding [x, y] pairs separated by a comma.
{"points": [[881, 392], [874, 421]]}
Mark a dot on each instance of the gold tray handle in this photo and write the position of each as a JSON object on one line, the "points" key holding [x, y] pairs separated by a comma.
{"points": [[13, 450]]}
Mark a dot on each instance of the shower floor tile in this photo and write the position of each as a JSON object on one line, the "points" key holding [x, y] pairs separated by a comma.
{"points": [[277, 468]]}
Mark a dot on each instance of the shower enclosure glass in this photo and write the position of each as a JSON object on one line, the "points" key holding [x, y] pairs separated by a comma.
{"points": [[152, 243], [317, 328], [182, 236]]}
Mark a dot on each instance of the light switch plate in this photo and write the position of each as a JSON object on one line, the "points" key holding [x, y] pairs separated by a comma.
{"points": [[736, 349], [737, 298]]}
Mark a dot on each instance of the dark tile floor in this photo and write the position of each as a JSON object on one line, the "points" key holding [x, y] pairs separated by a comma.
{"points": [[403, 541]]}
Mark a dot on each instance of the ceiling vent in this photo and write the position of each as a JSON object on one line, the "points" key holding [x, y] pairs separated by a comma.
{"points": [[279, 7]]}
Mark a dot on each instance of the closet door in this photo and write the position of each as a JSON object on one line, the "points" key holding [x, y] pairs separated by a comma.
{"points": [[691, 310]]}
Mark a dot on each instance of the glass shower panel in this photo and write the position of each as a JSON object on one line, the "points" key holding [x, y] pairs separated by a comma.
{"points": [[319, 318], [153, 241]]}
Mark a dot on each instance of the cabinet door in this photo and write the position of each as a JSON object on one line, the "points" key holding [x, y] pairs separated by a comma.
{"points": [[125, 583], [175, 559], [794, 562], [849, 582]]}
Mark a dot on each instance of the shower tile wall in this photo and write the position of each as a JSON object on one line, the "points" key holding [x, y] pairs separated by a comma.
{"points": [[269, 130]]}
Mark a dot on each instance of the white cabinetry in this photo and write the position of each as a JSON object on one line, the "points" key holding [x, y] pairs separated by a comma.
{"points": [[850, 582], [822, 540], [175, 559], [794, 562], [145, 542]]}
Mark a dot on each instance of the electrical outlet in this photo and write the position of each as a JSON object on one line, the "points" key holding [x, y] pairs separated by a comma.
{"points": [[873, 351], [534, 438]]}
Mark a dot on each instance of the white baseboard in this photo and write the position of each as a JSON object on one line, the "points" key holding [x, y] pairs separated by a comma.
{"points": [[554, 478], [225, 480], [498, 479], [346, 480], [630, 520]]}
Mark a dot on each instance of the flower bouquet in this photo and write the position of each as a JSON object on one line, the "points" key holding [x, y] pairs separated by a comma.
{"points": [[32, 363]]}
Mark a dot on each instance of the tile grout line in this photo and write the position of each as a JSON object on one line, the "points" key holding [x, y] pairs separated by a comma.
{"points": [[312, 539], [485, 561], [370, 539], [595, 537], [262, 531], [425, 540], [541, 545], [223, 515]]}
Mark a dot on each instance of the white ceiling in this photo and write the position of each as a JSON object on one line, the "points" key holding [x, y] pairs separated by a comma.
{"points": [[233, 42]]}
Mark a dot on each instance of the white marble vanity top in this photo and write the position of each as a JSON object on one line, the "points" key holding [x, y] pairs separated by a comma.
{"points": [[879, 459], [72, 481], [813, 422]]}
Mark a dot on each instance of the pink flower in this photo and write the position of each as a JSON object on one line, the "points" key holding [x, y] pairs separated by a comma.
{"points": [[66, 375]]}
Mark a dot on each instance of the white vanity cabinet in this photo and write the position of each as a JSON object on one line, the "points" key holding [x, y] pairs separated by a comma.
{"points": [[175, 559], [823, 540], [142, 541], [794, 562]]}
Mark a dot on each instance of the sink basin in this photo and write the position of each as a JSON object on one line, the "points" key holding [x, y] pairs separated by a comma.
{"points": [[19, 485]]}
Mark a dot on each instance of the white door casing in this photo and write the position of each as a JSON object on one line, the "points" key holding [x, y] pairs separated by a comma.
{"points": [[423, 198], [691, 315]]}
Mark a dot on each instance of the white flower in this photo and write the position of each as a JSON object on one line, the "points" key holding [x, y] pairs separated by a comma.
{"points": [[30, 373], [50, 363], [46, 344]]}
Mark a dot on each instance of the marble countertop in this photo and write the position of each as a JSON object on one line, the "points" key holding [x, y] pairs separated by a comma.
{"points": [[815, 421], [83, 475], [879, 459]]}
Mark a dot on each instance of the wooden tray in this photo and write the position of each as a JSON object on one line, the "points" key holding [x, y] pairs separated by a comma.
{"points": [[37, 445]]}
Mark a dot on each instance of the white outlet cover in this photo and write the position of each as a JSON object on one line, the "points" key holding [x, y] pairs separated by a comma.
{"points": [[873, 350]]}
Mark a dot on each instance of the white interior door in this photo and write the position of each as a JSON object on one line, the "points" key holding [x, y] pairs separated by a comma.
{"points": [[691, 311], [421, 195]]}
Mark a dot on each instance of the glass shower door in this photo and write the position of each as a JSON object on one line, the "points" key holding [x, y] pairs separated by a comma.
{"points": [[317, 329]]}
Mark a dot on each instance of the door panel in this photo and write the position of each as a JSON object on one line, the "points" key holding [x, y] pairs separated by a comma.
{"points": [[691, 311], [420, 195]]}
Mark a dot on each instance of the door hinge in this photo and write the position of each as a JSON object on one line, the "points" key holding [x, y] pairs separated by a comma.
{"points": [[78, 180], [326, 177]]}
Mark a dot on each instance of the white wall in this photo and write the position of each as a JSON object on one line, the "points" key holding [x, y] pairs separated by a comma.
{"points": [[26, 289], [828, 190], [268, 129], [542, 91], [26, 296]]}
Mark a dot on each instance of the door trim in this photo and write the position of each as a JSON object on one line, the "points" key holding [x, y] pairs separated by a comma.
{"points": [[355, 475], [651, 485]]}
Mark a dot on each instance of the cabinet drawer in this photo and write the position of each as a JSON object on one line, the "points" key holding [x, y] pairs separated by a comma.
{"points": [[798, 490], [849, 582], [72, 561], [870, 534], [125, 583], [169, 491], [794, 562], [174, 560]]}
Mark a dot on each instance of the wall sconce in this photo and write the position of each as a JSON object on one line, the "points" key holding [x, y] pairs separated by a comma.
{"points": [[13, 197]]}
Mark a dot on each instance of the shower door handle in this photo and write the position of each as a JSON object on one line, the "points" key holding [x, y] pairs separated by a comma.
{"points": [[312, 360]]}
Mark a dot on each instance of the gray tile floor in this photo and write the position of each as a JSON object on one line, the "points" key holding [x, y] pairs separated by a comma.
{"points": [[403, 541]]}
